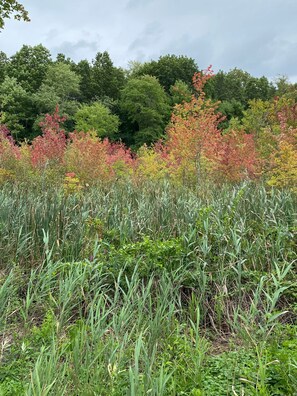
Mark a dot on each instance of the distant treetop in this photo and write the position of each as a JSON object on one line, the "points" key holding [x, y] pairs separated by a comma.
{"points": [[168, 69]]}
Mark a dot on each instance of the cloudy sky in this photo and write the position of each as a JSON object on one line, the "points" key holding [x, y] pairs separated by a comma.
{"points": [[259, 36]]}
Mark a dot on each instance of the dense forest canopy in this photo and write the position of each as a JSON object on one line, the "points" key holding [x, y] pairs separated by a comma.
{"points": [[136, 102]]}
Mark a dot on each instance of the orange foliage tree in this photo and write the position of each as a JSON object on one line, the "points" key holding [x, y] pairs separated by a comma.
{"points": [[95, 160], [238, 158], [196, 147]]}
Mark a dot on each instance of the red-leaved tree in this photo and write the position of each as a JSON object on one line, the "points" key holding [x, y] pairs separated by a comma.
{"points": [[196, 147], [49, 149], [94, 160]]}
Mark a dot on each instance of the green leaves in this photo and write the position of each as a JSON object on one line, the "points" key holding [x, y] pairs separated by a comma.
{"points": [[59, 87], [97, 117], [29, 66], [16, 106], [12, 7], [106, 79], [168, 70], [147, 107]]}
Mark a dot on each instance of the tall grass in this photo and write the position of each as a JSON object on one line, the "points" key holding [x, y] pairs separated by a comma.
{"points": [[246, 222], [148, 291]]}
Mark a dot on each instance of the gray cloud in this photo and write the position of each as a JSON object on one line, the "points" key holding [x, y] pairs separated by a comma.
{"points": [[132, 4], [147, 38], [76, 49], [259, 36]]}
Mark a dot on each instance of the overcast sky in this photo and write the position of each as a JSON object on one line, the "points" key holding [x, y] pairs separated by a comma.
{"points": [[259, 36]]}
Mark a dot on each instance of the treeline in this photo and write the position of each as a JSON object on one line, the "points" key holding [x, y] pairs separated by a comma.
{"points": [[133, 105], [195, 148]]}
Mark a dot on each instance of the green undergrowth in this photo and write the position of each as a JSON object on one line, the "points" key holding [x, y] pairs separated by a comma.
{"points": [[148, 291], [72, 331]]}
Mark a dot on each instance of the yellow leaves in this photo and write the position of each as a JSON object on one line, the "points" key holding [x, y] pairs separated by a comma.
{"points": [[71, 184], [284, 173], [151, 165], [6, 175]]}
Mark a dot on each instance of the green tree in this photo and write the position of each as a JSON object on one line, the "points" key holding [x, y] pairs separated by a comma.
{"points": [[97, 117], [180, 92], [235, 90], [3, 65], [228, 86], [16, 107], [168, 69], [260, 114], [63, 80], [60, 87], [107, 80], [134, 69], [84, 70], [285, 88], [29, 66], [259, 88], [231, 109], [261, 119], [146, 105], [215, 87], [61, 58], [8, 8], [240, 86]]}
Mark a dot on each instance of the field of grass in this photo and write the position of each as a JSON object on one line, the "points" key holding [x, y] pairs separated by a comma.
{"points": [[154, 290]]}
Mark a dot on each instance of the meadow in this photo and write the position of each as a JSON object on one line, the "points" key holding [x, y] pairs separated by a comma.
{"points": [[148, 289], [163, 268]]}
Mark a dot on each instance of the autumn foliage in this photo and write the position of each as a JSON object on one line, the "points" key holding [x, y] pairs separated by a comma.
{"points": [[50, 147], [93, 159], [283, 172], [195, 149], [8, 149]]}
